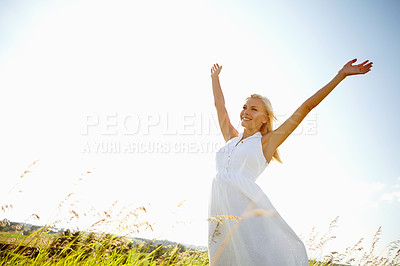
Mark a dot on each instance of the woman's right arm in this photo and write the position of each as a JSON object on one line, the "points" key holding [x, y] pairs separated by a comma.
{"points": [[228, 131]]}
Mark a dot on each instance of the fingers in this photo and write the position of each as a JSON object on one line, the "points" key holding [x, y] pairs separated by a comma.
{"points": [[359, 65], [351, 62], [363, 63], [364, 67], [215, 67], [365, 71], [367, 66]]}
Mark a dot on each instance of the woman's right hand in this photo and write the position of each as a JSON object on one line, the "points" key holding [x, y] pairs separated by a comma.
{"points": [[215, 70]]}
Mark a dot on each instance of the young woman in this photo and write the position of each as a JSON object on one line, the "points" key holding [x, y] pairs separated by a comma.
{"points": [[244, 227]]}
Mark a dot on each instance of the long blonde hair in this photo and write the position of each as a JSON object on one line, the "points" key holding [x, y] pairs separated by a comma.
{"points": [[267, 127]]}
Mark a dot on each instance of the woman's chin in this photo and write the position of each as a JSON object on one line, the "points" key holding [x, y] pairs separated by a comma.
{"points": [[246, 125]]}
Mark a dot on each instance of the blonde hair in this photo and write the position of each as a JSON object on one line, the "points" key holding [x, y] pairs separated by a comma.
{"points": [[267, 127]]}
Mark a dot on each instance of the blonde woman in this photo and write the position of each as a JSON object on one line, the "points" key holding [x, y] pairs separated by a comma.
{"points": [[244, 227]]}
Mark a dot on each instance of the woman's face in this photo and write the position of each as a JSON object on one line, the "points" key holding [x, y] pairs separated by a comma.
{"points": [[254, 114]]}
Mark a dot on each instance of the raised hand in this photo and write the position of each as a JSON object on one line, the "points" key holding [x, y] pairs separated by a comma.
{"points": [[350, 69], [215, 70]]}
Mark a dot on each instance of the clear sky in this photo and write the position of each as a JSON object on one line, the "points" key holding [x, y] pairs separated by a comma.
{"points": [[122, 89]]}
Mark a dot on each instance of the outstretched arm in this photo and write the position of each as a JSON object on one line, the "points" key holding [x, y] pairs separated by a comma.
{"points": [[347, 70], [279, 135], [228, 131]]}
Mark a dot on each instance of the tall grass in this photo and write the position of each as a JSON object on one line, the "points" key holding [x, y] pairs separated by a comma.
{"points": [[352, 255], [81, 248], [96, 246]]}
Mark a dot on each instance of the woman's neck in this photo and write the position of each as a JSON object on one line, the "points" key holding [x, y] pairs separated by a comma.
{"points": [[248, 133]]}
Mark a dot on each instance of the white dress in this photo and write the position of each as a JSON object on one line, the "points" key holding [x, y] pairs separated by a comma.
{"points": [[261, 236]]}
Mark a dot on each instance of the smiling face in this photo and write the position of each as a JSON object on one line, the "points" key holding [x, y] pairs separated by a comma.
{"points": [[254, 114]]}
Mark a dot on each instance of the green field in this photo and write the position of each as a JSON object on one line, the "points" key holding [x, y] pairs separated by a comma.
{"points": [[80, 248], [87, 248], [27, 244]]}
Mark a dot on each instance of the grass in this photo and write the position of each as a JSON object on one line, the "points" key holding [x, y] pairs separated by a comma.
{"points": [[353, 255], [89, 248], [94, 247], [82, 248]]}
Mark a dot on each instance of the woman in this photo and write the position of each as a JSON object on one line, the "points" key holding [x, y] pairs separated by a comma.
{"points": [[244, 227]]}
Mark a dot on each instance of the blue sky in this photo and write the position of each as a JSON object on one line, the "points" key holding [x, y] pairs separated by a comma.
{"points": [[67, 68]]}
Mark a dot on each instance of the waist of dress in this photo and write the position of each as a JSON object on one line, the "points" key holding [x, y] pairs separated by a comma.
{"points": [[232, 176]]}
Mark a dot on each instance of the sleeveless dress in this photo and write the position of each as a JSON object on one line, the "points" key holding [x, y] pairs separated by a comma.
{"points": [[244, 228]]}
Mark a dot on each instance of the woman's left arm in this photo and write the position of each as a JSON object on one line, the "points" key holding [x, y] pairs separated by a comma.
{"points": [[279, 135], [347, 70]]}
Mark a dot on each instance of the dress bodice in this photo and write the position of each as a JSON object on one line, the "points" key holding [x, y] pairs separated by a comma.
{"points": [[242, 157]]}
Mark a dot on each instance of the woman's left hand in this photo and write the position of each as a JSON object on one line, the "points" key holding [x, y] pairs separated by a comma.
{"points": [[350, 69]]}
